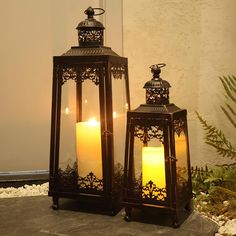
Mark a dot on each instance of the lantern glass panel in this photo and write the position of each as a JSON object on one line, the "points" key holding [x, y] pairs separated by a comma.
{"points": [[182, 161], [149, 163], [67, 125], [88, 130], [120, 107], [137, 175]]}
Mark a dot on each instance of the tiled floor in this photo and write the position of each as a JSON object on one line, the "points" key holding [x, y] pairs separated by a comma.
{"points": [[33, 216]]}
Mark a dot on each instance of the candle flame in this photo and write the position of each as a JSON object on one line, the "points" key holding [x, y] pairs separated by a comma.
{"points": [[86, 101], [67, 110], [93, 122]]}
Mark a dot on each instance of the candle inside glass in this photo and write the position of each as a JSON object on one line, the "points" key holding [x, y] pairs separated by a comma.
{"points": [[88, 148], [153, 166]]}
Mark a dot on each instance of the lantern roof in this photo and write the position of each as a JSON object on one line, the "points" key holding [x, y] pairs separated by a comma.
{"points": [[90, 31], [157, 96], [157, 89], [90, 37]]}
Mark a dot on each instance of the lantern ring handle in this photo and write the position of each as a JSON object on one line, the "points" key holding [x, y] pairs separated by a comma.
{"points": [[100, 9], [161, 65], [96, 8]]}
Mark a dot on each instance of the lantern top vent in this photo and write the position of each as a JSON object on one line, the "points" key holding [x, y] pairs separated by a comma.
{"points": [[157, 89], [90, 31]]}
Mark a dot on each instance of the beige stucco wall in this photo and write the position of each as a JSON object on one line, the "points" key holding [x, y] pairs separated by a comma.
{"points": [[32, 32], [196, 39]]}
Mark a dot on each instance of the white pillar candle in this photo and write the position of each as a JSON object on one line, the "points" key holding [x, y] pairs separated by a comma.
{"points": [[153, 166], [88, 148]]}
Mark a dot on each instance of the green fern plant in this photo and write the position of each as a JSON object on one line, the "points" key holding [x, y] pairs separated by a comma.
{"points": [[229, 84], [214, 136]]}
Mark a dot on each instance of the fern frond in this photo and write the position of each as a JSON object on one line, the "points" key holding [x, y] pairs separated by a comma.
{"points": [[223, 151], [228, 116], [229, 84], [231, 109], [227, 90], [232, 80], [216, 138]]}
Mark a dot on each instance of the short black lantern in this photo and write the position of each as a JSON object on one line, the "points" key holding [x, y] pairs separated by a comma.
{"points": [[89, 103], [157, 164]]}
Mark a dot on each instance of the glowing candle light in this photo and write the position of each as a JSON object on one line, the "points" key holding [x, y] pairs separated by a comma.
{"points": [[153, 166], [88, 148], [114, 114], [67, 110]]}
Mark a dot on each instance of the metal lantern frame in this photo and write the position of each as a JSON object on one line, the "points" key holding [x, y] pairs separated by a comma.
{"points": [[89, 61], [163, 121]]}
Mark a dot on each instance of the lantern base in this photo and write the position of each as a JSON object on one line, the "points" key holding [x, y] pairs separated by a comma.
{"points": [[86, 203], [160, 215]]}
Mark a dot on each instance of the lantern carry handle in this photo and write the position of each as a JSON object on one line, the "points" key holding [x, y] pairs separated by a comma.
{"points": [[90, 11], [100, 9], [159, 65]]}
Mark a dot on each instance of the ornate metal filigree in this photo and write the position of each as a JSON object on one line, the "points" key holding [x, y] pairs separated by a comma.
{"points": [[68, 178], [182, 181], [91, 73], [118, 178], [118, 71], [157, 95], [91, 35], [90, 182], [83, 73], [145, 133], [151, 192], [68, 73], [179, 126]]}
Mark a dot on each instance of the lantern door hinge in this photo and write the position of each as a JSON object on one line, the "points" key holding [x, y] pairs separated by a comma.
{"points": [[107, 132], [172, 158]]}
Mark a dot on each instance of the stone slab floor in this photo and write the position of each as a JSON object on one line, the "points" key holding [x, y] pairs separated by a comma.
{"points": [[33, 216]]}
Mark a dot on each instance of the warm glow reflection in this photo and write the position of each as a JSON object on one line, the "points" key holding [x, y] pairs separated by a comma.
{"points": [[114, 114], [153, 166], [126, 106], [86, 101], [67, 110]]}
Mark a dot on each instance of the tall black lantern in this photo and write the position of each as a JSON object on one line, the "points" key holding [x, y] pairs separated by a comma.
{"points": [[157, 164], [89, 103]]}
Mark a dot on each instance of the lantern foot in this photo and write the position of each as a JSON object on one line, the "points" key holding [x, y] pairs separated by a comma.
{"points": [[127, 216], [189, 206], [175, 222], [113, 213], [55, 204]]}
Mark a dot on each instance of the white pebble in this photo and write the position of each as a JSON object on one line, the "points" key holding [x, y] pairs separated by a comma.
{"points": [[229, 228], [226, 203], [26, 190]]}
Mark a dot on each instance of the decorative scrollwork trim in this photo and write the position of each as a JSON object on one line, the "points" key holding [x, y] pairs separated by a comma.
{"points": [[118, 71], [82, 73], [68, 73], [90, 182], [68, 178], [179, 126], [91, 35], [90, 73], [157, 95], [151, 192], [145, 133]]}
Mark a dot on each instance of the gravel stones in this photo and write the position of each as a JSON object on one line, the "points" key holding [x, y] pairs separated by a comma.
{"points": [[26, 190]]}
